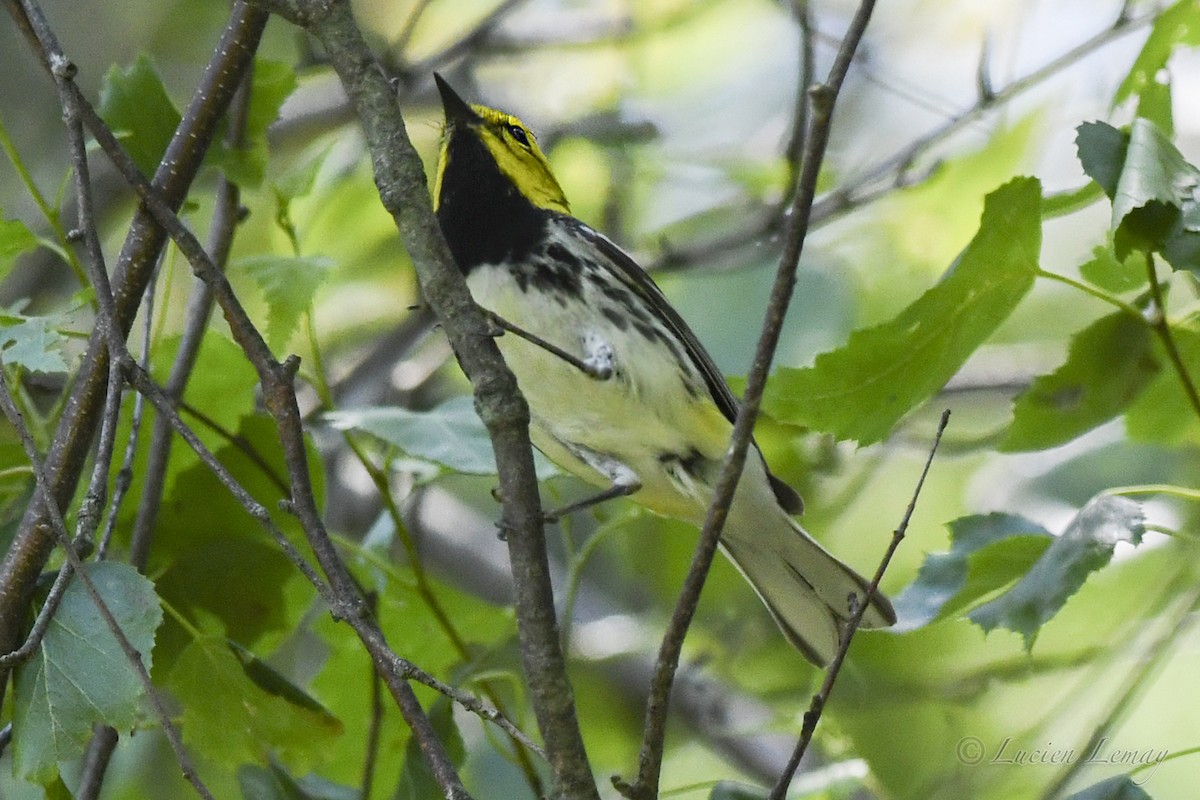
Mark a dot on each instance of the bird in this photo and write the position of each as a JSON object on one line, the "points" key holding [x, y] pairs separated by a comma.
{"points": [[621, 393]]}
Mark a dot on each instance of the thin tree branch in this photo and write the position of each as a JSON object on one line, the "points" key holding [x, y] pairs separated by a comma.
{"points": [[813, 715], [822, 97], [200, 303], [59, 531], [280, 399], [65, 459], [896, 171], [403, 189], [125, 474]]}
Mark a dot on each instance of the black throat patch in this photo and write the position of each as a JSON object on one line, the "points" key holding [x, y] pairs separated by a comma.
{"points": [[484, 218]]}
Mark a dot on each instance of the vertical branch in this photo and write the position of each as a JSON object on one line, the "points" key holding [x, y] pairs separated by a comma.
{"points": [[200, 304], [822, 98], [400, 178]]}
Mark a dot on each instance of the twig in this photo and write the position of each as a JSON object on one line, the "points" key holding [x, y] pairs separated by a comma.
{"points": [[45, 497], [894, 171], [813, 715], [1162, 327], [400, 177], [42, 622], [73, 437], [200, 304], [430, 599], [822, 97], [125, 474]]}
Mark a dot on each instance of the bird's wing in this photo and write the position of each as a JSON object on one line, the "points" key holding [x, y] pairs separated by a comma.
{"points": [[639, 282]]}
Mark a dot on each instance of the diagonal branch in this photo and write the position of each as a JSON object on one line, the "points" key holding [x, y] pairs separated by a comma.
{"points": [[400, 178], [822, 98], [31, 546], [813, 715]]}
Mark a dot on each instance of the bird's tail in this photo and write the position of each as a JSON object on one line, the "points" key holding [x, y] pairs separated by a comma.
{"points": [[807, 589]]}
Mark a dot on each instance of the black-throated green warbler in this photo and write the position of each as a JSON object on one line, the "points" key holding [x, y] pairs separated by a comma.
{"points": [[631, 401]]}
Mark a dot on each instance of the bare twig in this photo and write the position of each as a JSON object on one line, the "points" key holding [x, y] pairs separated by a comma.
{"points": [[124, 477], [822, 97], [896, 171], [220, 240], [813, 715], [34, 541], [403, 189], [59, 530]]}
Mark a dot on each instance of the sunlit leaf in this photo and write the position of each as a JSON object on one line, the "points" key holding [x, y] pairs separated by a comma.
{"points": [[1163, 412], [1178, 25], [80, 675], [1084, 547], [134, 102], [863, 389], [1101, 149], [288, 283], [1112, 274], [1108, 364], [245, 165], [1153, 190]]}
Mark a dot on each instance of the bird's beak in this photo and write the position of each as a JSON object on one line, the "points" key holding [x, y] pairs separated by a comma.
{"points": [[457, 110]]}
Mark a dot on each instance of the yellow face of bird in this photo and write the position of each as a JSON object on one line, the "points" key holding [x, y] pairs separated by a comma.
{"points": [[516, 152]]}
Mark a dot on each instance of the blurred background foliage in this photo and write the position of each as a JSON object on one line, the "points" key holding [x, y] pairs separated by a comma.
{"points": [[669, 126]]}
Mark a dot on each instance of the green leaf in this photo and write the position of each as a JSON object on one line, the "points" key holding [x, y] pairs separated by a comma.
{"points": [[217, 566], [79, 675], [274, 783], [1101, 149], [15, 240], [246, 165], [1112, 274], [1086, 546], [1162, 412], [451, 434], [862, 390], [288, 284], [1157, 186], [230, 717], [134, 103], [728, 790], [1108, 364], [33, 344], [416, 780], [987, 553], [1119, 787], [1179, 24]]}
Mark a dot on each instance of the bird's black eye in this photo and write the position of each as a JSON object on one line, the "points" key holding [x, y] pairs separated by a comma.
{"points": [[518, 133]]}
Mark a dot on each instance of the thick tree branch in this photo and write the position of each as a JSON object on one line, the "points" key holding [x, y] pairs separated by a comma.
{"points": [[64, 462], [403, 189]]}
